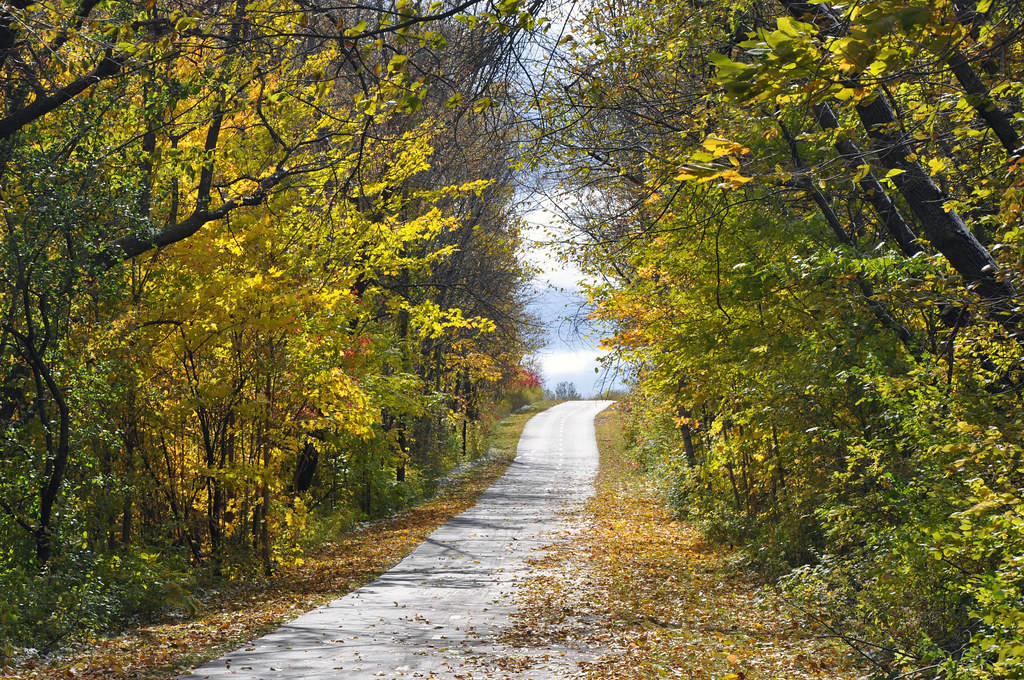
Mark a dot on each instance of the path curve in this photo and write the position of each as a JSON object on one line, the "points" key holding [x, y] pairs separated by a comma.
{"points": [[442, 611]]}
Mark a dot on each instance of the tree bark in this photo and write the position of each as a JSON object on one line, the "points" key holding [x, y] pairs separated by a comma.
{"points": [[880, 311], [978, 97], [108, 67], [981, 101], [691, 454]]}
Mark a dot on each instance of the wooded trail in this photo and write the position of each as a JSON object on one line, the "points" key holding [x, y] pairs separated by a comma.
{"points": [[442, 612]]}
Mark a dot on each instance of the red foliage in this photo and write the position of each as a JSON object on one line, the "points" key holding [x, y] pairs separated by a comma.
{"points": [[526, 379]]}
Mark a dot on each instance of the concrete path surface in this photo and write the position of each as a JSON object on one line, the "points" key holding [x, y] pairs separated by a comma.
{"points": [[442, 612]]}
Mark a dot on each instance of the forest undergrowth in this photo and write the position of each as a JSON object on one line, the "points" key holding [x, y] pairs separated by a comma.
{"points": [[202, 629], [649, 597]]}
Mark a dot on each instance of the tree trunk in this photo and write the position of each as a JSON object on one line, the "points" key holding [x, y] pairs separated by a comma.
{"points": [[977, 95], [872, 189], [691, 455], [980, 100], [264, 525], [58, 450], [305, 468], [879, 309], [944, 229]]}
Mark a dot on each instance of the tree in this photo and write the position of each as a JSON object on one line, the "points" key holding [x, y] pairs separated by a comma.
{"points": [[807, 256], [566, 390], [245, 246]]}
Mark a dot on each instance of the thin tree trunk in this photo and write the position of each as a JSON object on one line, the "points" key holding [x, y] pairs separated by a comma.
{"points": [[264, 524], [879, 309], [735, 487], [945, 230], [977, 94], [981, 101]]}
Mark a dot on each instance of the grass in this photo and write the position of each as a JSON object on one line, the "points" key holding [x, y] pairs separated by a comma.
{"points": [[655, 600], [352, 559]]}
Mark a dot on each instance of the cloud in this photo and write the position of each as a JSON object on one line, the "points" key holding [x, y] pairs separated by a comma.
{"points": [[577, 366], [564, 362]]}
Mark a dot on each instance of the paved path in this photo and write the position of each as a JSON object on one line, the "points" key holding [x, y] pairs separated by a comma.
{"points": [[442, 611]]}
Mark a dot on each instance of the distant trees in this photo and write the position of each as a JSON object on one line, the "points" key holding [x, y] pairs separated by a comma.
{"points": [[806, 219], [566, 390]]}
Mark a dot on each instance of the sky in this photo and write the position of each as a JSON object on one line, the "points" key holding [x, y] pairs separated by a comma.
{"points": [[571, 352]]}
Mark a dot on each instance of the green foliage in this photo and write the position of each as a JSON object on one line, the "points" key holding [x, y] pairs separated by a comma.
{"points": [[809, 387], [84, 592]]}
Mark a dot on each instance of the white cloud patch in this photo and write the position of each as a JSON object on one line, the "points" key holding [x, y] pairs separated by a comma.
{"points": [[571, 352], [565, 362]]}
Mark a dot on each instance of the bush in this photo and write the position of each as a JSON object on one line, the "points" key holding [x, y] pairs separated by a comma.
{"points": [[83, 593]]}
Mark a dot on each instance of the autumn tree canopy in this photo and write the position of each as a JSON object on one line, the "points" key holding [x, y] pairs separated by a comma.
{"points": [[258, 274]]}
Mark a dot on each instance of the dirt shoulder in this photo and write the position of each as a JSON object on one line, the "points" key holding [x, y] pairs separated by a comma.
{"points": [[650, 599]]}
